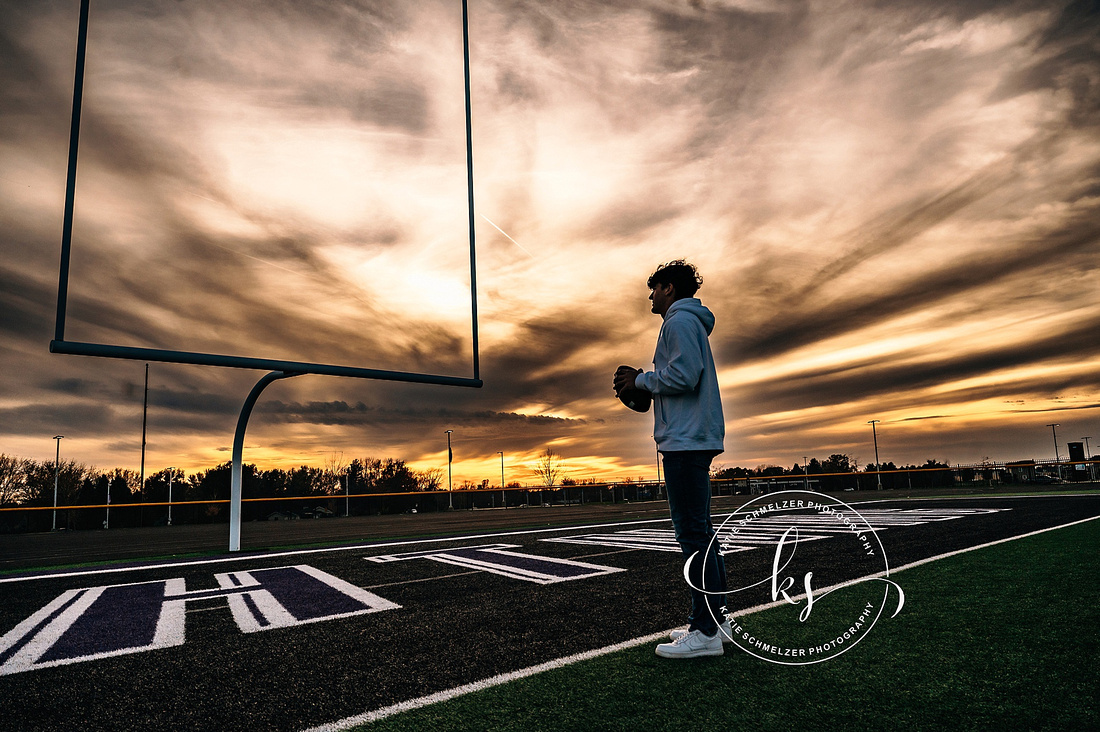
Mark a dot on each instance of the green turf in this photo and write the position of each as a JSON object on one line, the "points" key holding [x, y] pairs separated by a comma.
{"points": [[1002, 638]]}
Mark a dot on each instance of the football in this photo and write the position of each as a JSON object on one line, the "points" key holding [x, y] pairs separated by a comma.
{"points": [[634, 398]]}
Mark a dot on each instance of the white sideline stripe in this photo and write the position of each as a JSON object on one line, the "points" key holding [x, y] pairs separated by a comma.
{"points": [[442, 696], [448, 694]]}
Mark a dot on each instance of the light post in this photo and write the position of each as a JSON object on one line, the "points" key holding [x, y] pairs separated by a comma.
{"points": [[1057, 458], [450, 456], [171, 473], [878, 469], [503, 496], [806, 472], [144, 419], [56, 471], [1088, 455]]}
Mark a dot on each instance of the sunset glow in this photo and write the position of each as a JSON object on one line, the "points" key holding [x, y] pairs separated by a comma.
{"points": [[895, 210]]}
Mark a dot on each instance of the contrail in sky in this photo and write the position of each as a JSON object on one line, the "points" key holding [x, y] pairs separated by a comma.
{"points": [[508, 237]]}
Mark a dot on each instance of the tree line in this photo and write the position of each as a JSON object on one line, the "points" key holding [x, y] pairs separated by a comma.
{"points": [[828, 473], [27, 482], [30, 483]]}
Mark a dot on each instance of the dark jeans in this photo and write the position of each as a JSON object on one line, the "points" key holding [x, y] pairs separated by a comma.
{"points": [[687, 478]]}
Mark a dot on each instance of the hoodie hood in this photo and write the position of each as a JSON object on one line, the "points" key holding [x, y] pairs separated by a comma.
{"points": [[696, 308]]}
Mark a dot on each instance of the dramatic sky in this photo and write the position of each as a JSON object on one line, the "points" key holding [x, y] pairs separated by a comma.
{"points": [[895, 208]]}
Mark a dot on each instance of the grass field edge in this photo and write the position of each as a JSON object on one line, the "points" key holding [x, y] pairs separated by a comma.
{"points": [[448, 694]]}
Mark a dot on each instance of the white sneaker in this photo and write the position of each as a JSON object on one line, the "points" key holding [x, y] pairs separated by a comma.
{"points": [[691, 644], [725, 632]]}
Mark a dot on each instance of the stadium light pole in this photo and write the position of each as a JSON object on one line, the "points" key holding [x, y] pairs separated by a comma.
{"points": [[56, 471], [806, 471], [1057, 458], [1088, 455], [450, 456], [144, 419], [878, 467], [503, 496], [171, 472]]}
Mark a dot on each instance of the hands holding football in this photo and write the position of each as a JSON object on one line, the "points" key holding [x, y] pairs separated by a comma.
{"points": [[628, 393]]}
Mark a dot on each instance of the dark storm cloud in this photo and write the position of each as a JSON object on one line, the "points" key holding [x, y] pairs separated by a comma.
{"points": [[343, 413], [917, 11], [190, 401], [1075, 63], [905, 224], [73, 386], [1073, 408], [1042, 410], [544, 361], [25, 305], [547, 361], [23, 98], [730, 38], [515, 87], [873, 378], [233, 313], [1051, 391], [810, 316], [737, 53], [632, 218], [44, 418], [396, 103], [262, 48]]}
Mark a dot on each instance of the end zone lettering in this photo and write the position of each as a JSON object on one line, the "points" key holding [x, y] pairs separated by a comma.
{"points": [[100, 622], [90, 623]]}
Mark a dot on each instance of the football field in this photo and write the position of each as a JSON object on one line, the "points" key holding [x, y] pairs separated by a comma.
{"points": [[558, 621]]}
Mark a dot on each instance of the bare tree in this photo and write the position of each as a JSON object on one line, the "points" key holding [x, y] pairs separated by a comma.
{"points": [[13, 486], [430, 479], [549, 468], [335, 473]]}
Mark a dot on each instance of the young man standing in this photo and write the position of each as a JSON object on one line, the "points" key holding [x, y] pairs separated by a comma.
{"points": [[689, 430]]}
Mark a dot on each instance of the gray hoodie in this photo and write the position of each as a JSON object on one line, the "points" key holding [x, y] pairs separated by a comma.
{"points": [[687, 407]]}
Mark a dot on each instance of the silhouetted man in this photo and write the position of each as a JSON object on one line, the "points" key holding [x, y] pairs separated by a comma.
{"points": [[689, 430]]}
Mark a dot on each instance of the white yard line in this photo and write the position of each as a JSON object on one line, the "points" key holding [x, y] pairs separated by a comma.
{"points": [[323, 550], [411, 542], [441, 696]]}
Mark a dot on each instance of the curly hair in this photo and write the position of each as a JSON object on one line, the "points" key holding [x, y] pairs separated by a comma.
{"points": [[680, 274]]}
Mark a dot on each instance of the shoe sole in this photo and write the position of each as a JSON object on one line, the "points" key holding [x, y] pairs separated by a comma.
{"points": [[693, 654]]}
